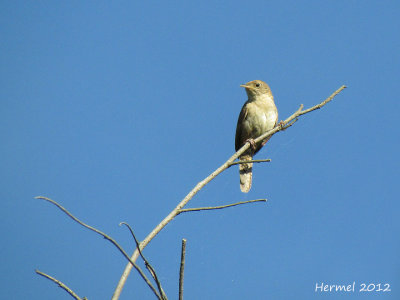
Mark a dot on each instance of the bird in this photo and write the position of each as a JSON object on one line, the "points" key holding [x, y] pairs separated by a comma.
{"points": [[258, 115]]}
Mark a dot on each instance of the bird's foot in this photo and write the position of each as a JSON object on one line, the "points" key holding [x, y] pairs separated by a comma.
{"points": [[281, 124], [252, 144]]}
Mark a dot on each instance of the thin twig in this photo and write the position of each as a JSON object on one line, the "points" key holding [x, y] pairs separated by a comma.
{"points": [[286, 126], [220, 207], [249, 161], [182, 269], [205, 181], [61, 285], [146, 262], [107, 238]]}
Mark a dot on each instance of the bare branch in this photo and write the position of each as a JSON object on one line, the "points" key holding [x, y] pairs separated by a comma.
{"points": [[61, 285], [107, 238], [202, 183], [182, 269], [297, 114], [249, 161], [146, 263], [220, 207]]}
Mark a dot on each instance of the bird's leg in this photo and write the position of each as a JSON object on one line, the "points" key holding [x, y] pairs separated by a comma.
{"points": [[252, 144]]}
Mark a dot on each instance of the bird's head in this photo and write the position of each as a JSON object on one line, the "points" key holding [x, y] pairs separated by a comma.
{"points": [[255, 88]]}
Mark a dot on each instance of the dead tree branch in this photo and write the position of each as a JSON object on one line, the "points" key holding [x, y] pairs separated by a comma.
{"points": [[131, 262], [61, 285], [182, 269], [220, 207], [249, 161], [146, 263], [282, 126]]}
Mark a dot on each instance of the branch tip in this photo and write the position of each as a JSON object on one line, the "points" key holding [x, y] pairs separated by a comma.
{"points": [[60, 284]]}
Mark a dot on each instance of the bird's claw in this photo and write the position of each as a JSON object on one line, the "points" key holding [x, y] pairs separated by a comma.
{"points": [[252, 144]]}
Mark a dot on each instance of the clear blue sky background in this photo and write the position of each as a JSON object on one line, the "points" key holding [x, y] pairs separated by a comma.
{"points": [[117, 109]]}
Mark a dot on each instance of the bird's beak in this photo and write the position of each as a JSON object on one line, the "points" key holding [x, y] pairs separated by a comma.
{"points": [[247, 86]]}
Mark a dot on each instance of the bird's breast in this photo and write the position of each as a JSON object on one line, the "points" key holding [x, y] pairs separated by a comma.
{"points": [[261, 117]]}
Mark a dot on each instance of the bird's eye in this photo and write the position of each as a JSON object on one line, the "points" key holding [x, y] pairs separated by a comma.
{"points": [[258, 85]]}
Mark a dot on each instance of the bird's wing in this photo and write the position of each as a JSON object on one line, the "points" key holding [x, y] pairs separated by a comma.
{"points": [[239, 127]]}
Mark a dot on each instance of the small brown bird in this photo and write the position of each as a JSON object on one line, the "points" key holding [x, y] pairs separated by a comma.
{"points": [[258, 115]]}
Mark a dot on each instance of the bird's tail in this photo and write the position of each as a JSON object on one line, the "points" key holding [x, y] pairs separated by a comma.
{"points": [[246, 174]]}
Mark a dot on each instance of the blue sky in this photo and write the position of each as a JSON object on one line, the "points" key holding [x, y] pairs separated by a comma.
{"points": [[117, 109]]}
